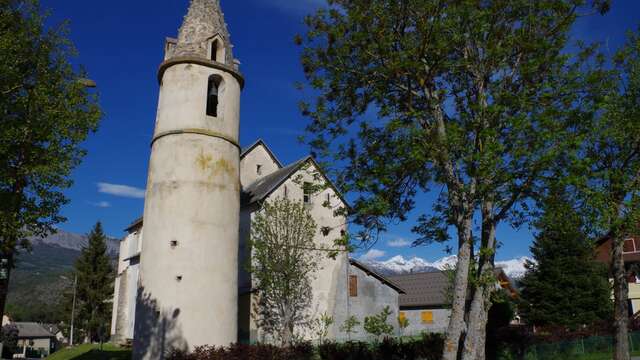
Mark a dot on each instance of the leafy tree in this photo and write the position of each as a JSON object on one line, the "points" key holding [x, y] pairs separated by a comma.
{"points": [[473, 99], [377, 325], [322, 326], [283, 266], [565, 286], [46, 112], [609, 178], [95, 276], [349, 326], [9, 340]]}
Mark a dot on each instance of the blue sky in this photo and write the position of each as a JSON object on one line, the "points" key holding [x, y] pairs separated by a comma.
{"points": [[120, 44]]}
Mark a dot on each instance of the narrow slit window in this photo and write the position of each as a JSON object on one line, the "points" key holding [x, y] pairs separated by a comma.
{"points": [[213, 101], [259, 169], [214, 50]]}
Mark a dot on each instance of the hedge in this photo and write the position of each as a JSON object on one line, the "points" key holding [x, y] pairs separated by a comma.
{"points": [[428, 347]]}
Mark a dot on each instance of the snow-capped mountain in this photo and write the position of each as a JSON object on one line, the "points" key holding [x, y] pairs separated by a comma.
{"points": [[397, 265]]}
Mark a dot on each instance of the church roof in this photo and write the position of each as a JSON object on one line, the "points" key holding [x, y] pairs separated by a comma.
{"points": [[263, 187], [203, 22]]}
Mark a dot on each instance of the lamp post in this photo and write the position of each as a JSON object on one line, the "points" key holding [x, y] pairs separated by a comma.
{"points": [[73, 308]]}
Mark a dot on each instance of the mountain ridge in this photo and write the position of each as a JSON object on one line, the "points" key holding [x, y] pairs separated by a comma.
{"points": [[399, 265]]}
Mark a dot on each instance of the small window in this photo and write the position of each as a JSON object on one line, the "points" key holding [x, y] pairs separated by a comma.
{"points": [[426, 317], [307, 193], [259, 169], [214, 50], [329, 199], [353, 285], [213, 95], [402, 316], [286, 192], [629, 246], [326, 231]]}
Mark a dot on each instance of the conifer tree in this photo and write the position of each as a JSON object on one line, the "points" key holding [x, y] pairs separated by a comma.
{"points": [[95, 274], [565, 286]]}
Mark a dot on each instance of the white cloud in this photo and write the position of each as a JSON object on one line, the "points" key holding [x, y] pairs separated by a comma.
{"points": [[101, 204], [372, 255], [399, 243], [297, 6], [121, 190]]}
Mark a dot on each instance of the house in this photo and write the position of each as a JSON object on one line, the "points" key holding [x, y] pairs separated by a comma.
{"points": [[342, 287], [631, 256], [34, 339], [426, 303], [369, 293]]}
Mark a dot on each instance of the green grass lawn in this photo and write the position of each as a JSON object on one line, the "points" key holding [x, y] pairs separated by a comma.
{"points": [[92, 352]]}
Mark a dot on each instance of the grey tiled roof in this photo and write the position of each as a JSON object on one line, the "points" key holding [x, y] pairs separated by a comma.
{"points": [[263, 187], [423, 289], [32, 330]]}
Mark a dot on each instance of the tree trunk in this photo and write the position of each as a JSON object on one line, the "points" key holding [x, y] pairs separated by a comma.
{"points": [[479, 311], [4, 282], [620, 301], [457, 325]]}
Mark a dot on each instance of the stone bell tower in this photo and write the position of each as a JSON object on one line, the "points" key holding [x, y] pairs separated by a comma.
{"points": [[188, 290]]}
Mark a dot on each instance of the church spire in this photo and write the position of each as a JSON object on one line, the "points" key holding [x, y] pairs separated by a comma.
{"points": [[204, 33]]}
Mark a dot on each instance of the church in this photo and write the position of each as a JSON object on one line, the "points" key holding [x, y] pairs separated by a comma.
{"points": [[181, 281]]}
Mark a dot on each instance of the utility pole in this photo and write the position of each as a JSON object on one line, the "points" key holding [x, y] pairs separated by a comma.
{"points": [[73, 308]]}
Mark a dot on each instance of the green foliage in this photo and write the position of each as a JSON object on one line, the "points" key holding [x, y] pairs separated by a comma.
{"points": [[283, 264], [47, 112], [479, 105], [349, 326], [9, 340], [95, 276], [427, 347], [565, 286], [92, 352], [475, 100], [377, 325], [322, 326]]}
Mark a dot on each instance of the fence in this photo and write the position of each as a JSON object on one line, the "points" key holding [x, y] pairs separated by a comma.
{"points": [[591, 348]]}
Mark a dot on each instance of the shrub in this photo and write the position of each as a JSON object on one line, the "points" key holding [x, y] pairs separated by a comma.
{"points": [[377, 325], [302, 351], [429, 347]]}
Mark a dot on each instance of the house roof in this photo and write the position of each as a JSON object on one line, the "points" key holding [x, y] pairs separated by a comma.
{"points": [[135, 224], [32, 330], [387, 281], [423, 289], [249, 148]]}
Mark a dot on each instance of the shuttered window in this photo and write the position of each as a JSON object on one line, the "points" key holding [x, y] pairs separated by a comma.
{"points": [[426, 317], [402, 316], [353, 285]]}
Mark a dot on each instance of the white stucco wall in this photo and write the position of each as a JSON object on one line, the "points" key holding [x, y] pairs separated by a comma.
{"points": [[372, 297], [417, 326], [126, 288], [328, 283], [249, 165]]}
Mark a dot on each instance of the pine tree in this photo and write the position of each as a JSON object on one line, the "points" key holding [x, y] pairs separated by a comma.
{"points": [[95, 275], [565, 286]]}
